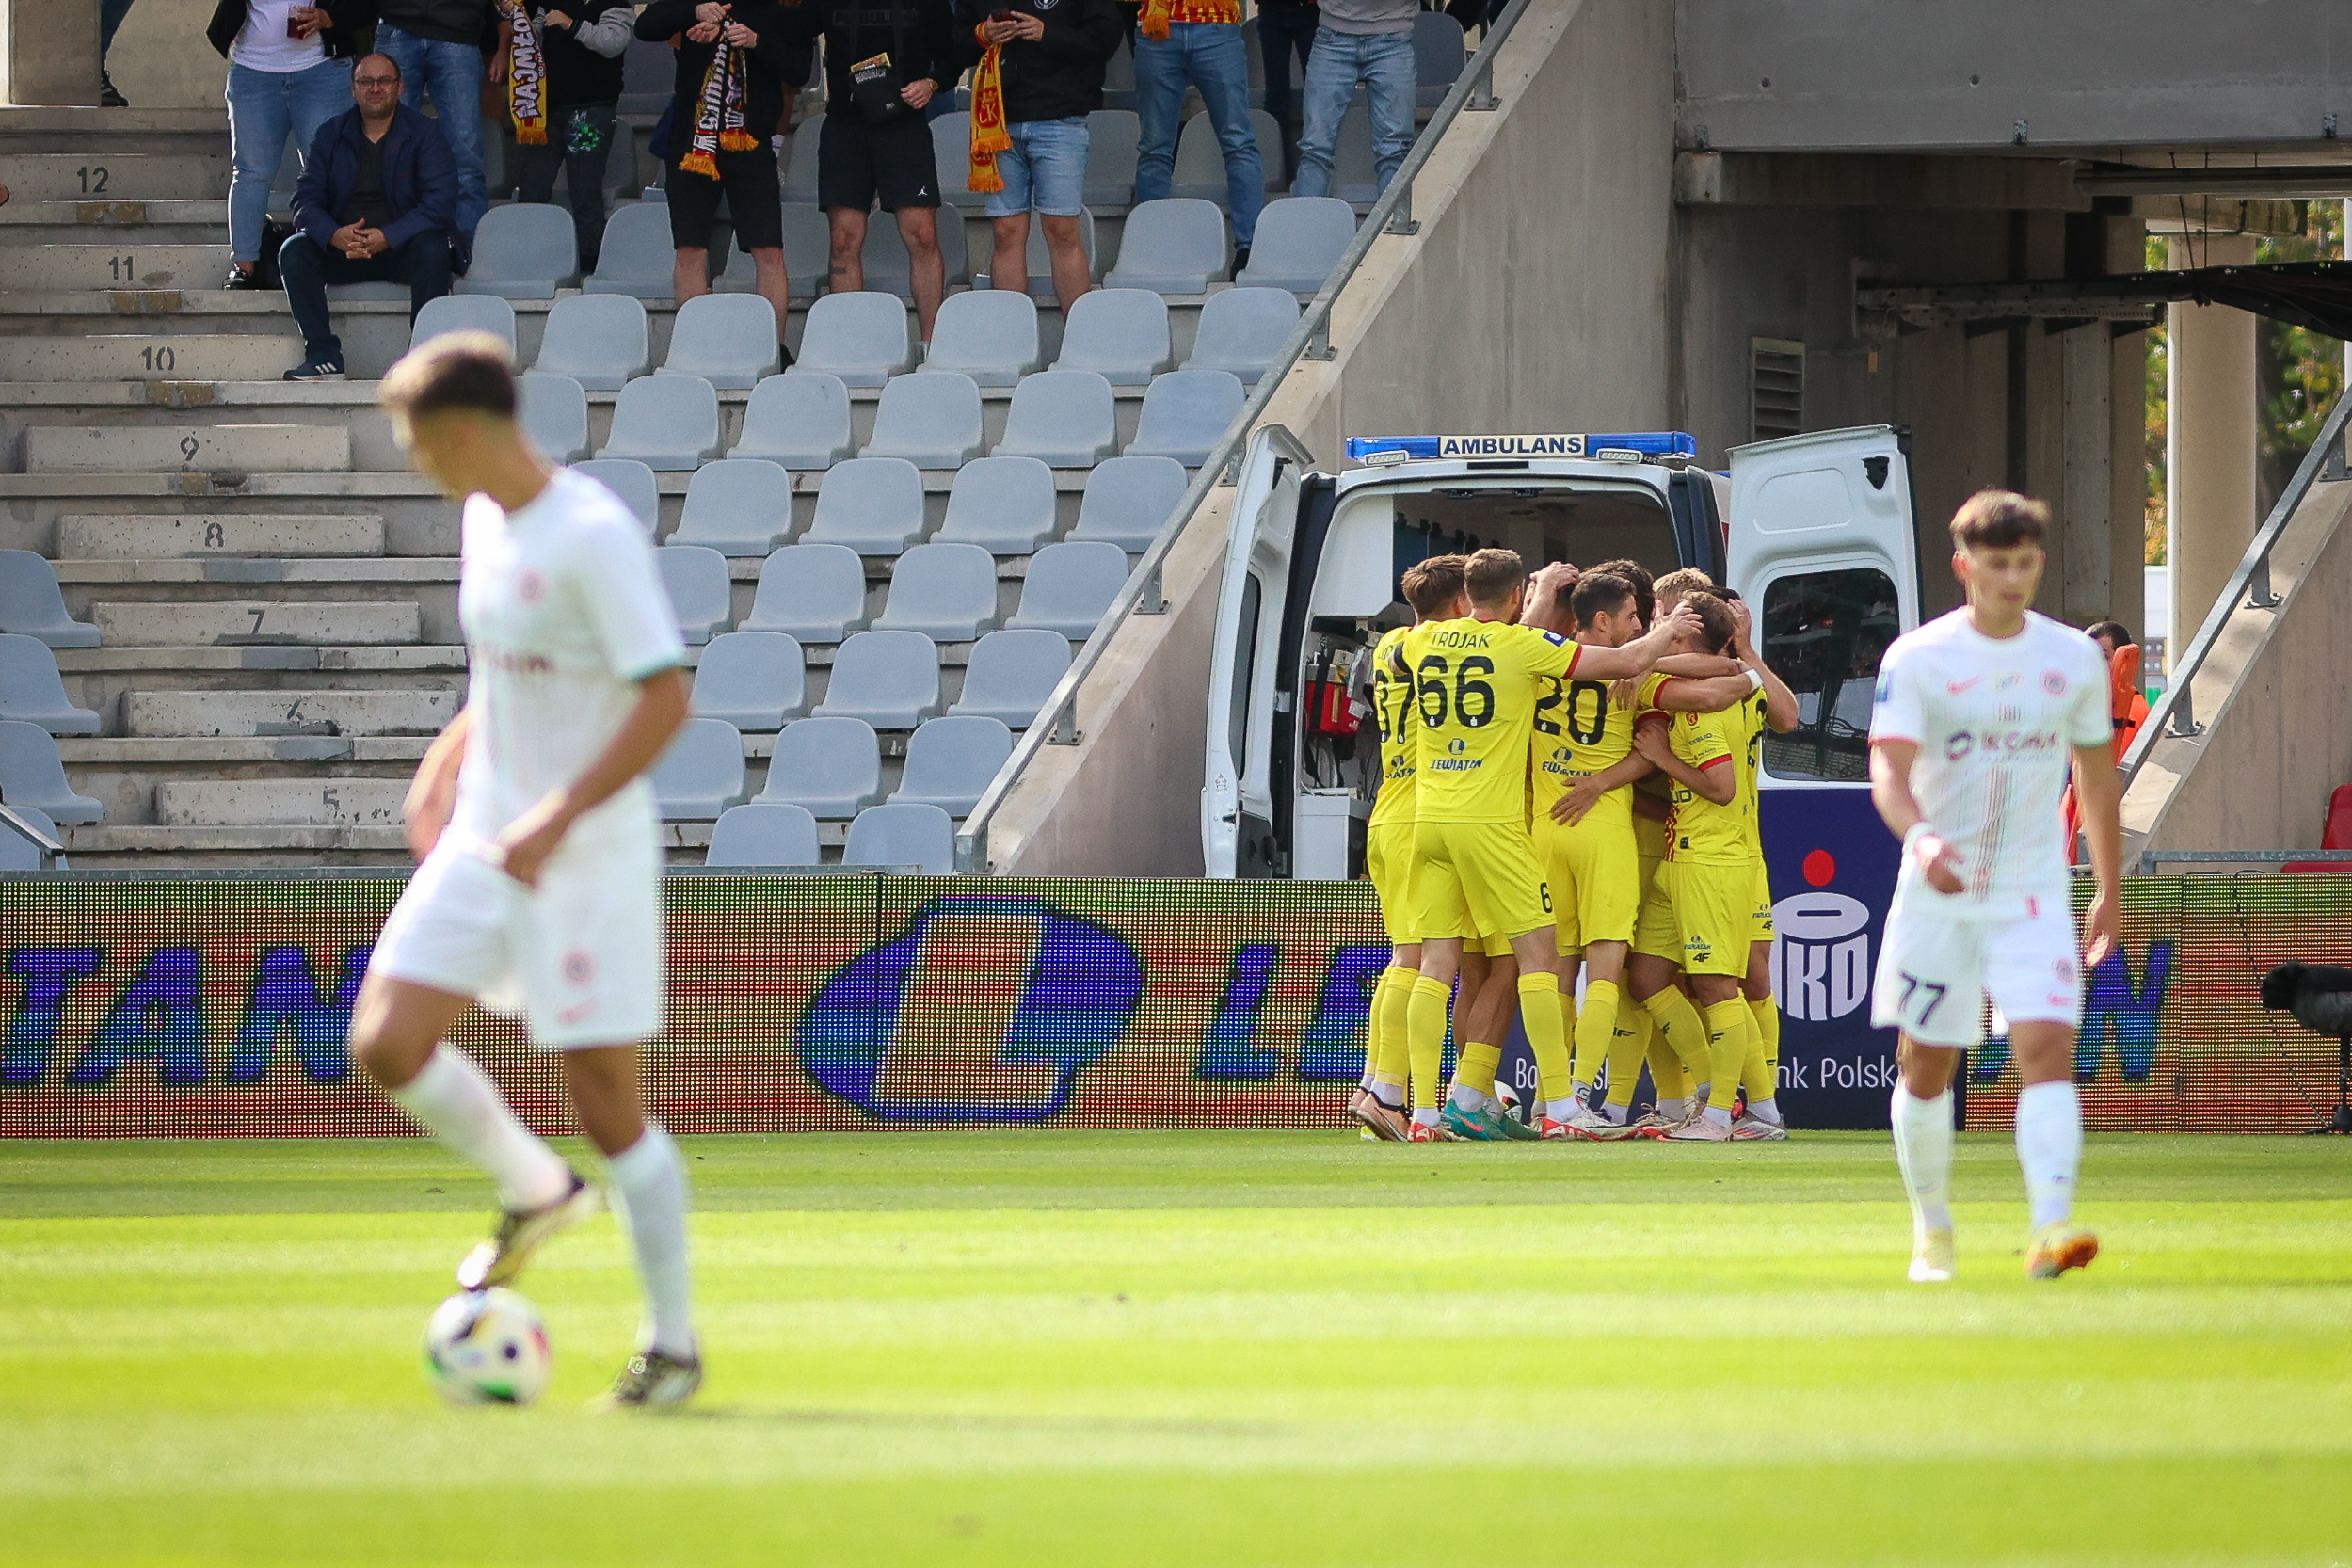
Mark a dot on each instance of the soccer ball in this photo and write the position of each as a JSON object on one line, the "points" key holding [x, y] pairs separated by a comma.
{"points": [[486, 1347]]}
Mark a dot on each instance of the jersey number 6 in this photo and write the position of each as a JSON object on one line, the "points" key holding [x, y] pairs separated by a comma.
{"points": [[1473, 700]]}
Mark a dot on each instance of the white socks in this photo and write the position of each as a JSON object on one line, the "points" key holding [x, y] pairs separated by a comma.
{"points": [[1923, 1146], [1765, 1111], [650, 1183], [1673, 1110], [2049, 1148], [455, 1101]]}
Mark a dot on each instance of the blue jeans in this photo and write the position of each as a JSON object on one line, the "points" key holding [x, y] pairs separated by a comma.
{"points": [[307, 267], [265, 105], [451, 72], [1383, 62], [1045, 168], [1210, 55]]}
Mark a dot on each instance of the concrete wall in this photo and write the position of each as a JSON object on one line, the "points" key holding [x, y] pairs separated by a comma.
{"points": [[161, 60]]}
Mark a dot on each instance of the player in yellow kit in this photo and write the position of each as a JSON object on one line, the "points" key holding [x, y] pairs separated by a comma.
{"points": [[1773, 707]]}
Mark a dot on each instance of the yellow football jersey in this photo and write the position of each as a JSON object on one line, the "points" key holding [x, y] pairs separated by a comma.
{"points": [[1392, 706], [1748, 756], [1579, 731], [1702, 832], [1474, 694]]}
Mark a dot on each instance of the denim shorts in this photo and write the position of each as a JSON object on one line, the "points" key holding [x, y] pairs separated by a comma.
{"points": [[1045, 168]]}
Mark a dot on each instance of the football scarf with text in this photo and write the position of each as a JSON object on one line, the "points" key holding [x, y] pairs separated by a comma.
{"points": [[719, 114], [526, 79], [991, 134]]}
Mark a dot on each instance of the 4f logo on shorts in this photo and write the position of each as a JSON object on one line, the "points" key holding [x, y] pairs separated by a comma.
{"points": [[1820, 955]]}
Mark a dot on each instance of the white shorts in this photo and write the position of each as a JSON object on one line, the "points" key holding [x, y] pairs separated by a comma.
{"points": [[1936, 969], [580, 960]]}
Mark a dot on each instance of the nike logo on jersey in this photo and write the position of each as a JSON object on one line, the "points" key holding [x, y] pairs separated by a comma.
{"points": [[1956, 687]]}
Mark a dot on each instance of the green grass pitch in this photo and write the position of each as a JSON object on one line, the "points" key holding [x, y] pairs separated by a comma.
{"points": [[1227, 1349]]}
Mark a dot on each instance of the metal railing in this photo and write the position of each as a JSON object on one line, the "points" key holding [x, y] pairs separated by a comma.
{"points": [[1056, 723], [17, 825]]}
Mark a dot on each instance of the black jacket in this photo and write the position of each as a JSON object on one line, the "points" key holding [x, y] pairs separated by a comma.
{"points": [[420, 178], [1056, 76], [919, 36], [779, 56], [350, 31]]}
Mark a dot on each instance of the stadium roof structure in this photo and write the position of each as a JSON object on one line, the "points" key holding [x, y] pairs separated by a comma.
{"points": [[2313, 295]]}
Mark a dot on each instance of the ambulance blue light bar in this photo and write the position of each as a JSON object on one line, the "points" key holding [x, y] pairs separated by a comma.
{"points": [[1402, 449]]}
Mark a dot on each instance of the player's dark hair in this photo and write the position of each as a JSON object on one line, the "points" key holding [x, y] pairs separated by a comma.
{"points": [[1645, 595], [2000, 519], [455, 372], [1432, 585], [1715, 626], [2111, 630], [1597, 594], [1493, 576]]}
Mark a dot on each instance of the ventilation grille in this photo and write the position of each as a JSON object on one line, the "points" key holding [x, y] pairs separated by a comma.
{"points": [[1776, 388]]}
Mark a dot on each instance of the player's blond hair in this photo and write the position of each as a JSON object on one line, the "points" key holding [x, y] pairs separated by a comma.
{"points": [[2000, 519], [1493, 575], [1682, 582], [1432, 585], [452, 373]]}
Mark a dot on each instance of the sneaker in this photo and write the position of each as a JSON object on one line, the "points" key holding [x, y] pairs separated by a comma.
{"points": [[1383, 1122], [1510, 1128], [1932, 1259], [1651, 1124], [651, 1381], [1756, 1129], [109, 96], [1590, 1125], [1426, 1132], [498, 1259], [1700, 1130], [241, 279], [2057, 1248], [1470, 1127], [317, 370], [1240, 259]]}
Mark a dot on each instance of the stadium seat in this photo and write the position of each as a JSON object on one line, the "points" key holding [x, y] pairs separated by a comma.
{"points": [[1010, 674], [31, 775], [800, 421], [702, 775], [695, 579], [831, 766], [931, 421], [729, 340], [464, 313], [737, 506], [888, 268], [31, 606], [864, 338], [632, 482], [1119, 334], [1200, 162], [1070, 587], [800, 169], [599, 340], [522, 251], [649, 76], [1241, 331], [948, 592], [1300, 239], [32, 693], [1113, 136], [1176, 245], [917, 836], [1128, 501], [952, 762], [20, 854], [952, 150], [807, 253], [1003, 505], [889, 679], [755, 680], [1186, 413], [668, 423], [814, 592], [636, 258], [1354, 171], [555, 412], [1062, 418], [872, 505], [986, 334], [1437, 57], [763, 833]]}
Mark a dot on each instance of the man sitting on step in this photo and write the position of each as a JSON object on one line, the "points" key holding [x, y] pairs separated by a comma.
{"points": [[378, 202]]}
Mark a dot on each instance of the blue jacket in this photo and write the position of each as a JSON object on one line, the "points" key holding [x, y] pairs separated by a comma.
{"points": [[420, 178]]}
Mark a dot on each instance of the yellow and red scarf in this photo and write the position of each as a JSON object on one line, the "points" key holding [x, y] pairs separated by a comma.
{"points": [[991, 134], [1153, 24], [526, 79], [719, 114]]}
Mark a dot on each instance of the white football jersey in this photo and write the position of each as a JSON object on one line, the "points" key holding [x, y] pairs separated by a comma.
{"points": [[1996, 721], [563, 614]]}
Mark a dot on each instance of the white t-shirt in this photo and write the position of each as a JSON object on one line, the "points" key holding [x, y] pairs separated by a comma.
{"points": [[563, 614], [261, 43], [1996, 721]]}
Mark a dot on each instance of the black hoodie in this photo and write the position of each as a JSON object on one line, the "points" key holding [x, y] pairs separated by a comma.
{"points": [[779, 58], [1054, 78]]}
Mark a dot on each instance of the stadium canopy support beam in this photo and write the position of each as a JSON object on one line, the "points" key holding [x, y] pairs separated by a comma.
{"points": [[48, 52], [2209, 434]]}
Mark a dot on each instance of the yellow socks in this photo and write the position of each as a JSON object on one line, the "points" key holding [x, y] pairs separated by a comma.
{"points": [[1475, 1067], [1425, 1036], [1728, 1028], [1685, 1034], [1544, 1017], [1597, 1024], [1762, 1073], [1627, 1041], [1391, 1055]]}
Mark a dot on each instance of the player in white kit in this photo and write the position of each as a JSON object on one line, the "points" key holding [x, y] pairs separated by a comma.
{"points": [[539, 887], [1979, 715]]}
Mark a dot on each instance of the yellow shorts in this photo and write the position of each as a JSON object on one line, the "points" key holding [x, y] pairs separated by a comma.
{"points": [[1494, 945], [1478, 876], [1654, 930], [1714, 907], [1762, 930], [1388, 861], [1595, 874]]}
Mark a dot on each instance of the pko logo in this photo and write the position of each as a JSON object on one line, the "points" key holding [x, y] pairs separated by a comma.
{"points": [[1820, 955]]}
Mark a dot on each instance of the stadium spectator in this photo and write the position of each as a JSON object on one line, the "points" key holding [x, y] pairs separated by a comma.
{"points": [[572, 57], [2108, 634], [1038, 70], [289, 73], [1365, 41], [376, 204], [1199, 42], [110, 15], [440, 46], [1285, 27]]}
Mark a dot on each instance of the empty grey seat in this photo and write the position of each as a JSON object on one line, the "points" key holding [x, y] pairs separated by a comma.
{"points": [[763, 833], [702, 774], [1173, 246], [874, 505], [931, 421], [1003, 505], [1064, 418], [1437, 57], [464, 313], [729, 340], [889, 268], [668, 423], [737, 506], [31, 775], [799, 421], [696, 580], [31, 692], [1128, 501], [889, 679], [522, 251], [863, 338], [599, 340], [988, 335], [555, 412], [1010, 674], [648, 73], [1186, 413], [1300, 239], [1070, 587], [832, 767], [807, 249], [31, 606], [952, 150], [905, 835], [755, 680], [636, 257], [1354, 168], [814, 592], [1200, 162], [1242, 330], [1119, 334], [948, 592], [800, 169], [631, 481], [1113, 136], [952, 762]]}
